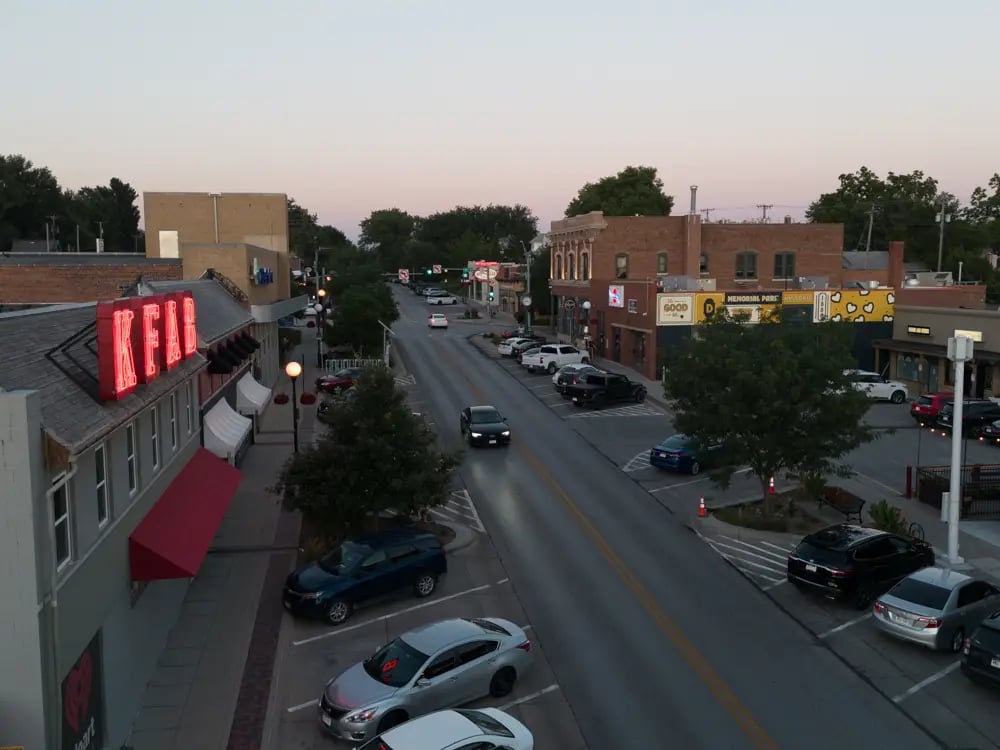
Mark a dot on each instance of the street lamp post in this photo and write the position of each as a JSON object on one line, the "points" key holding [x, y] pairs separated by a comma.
{"points": [[526, 303], [320, 309], [293, 370], [586, 325], [959, 352]]}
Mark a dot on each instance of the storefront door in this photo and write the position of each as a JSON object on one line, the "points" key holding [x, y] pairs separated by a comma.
{"points": [[616, 344]]}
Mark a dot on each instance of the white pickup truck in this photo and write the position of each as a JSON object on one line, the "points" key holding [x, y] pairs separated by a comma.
{"points": [[551, 357]]}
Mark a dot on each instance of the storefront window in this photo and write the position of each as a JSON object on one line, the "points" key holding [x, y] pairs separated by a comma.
{"points": [[584, 266], [908, 367], [60, 520]]}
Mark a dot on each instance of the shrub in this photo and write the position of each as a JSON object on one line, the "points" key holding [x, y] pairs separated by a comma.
{"points": [[887, 517]]}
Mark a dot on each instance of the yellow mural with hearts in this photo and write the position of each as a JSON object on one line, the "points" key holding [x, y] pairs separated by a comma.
{"points": [[855, 305]]}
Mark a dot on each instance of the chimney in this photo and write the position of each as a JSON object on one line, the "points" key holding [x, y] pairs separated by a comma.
{"points": [[896, 271], [694, 200], [788, 219]]}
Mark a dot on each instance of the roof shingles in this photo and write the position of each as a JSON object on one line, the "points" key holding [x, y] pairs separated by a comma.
{"points": [[217, 312]]}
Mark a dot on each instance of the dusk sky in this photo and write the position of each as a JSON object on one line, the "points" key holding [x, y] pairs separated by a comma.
{"points": [[354, 106]]}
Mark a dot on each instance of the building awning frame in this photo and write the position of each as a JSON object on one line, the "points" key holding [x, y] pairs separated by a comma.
{"points": [[251, 396], [225, 431]]}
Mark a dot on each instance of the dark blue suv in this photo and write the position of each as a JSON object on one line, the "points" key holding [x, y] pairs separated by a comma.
{"points": [[370, 567]]}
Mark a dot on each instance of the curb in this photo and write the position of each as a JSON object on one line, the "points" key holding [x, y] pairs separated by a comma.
{"points": [[464, 537]]}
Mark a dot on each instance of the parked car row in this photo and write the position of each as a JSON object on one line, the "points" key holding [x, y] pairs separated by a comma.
{"points": [[980, 417], [406, 694], [911, 598]]}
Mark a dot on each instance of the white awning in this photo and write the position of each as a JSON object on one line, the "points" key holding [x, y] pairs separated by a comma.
{"points": [[225, 430], [251, 396]]}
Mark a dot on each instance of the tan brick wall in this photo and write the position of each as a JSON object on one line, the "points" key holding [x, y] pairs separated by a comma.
{"points": [[77, 283], [259, 219], [235, 261]]}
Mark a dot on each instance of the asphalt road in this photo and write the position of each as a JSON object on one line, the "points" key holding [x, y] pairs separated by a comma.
{"points": [[650, 634]]}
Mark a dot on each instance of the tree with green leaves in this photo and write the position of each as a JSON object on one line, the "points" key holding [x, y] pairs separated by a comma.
{"points": [[635, 191], [541, 297], [306, 235], [386, 233], [375, 455], [493, 232], [357, 312], [772, 395], [29, 195], [110, 209]]}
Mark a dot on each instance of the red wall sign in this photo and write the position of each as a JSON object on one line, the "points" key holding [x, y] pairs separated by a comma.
{"points": [[139, 337]]}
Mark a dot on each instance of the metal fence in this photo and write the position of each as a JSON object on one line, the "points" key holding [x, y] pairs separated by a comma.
{"points": [[980, 488], [335, 365]]}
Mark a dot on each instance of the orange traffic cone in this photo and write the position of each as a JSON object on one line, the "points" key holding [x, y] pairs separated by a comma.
{"points": [[771, 486], [701, 508]]}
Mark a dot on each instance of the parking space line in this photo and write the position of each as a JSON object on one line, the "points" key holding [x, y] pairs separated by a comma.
{"points": [[883, 485], [929, 681], [778, 547], [774, 585], [502, 580], [529, 697], [680, 484], [766, 557], [845, 626], [391, 615], [738, 562], [781, 554], [302, 706]]}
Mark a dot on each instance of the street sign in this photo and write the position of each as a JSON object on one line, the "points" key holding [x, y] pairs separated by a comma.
{"points": [[491, 273], [309, 271], [404, 274], [569, 304], [481, 274], [437, 269]]}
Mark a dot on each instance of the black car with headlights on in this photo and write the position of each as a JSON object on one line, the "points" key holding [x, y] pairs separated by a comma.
{"points": [[484, 425]]}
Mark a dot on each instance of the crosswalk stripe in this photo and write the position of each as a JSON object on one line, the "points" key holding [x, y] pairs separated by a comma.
{"points": [[738, 550], [766, 552], [621, 411]]}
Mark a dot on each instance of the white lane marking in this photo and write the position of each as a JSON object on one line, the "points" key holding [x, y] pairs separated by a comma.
{"points": [[785, 550], [773, 564], [301, 706], [637, 463], [693, 481], [502, 580], [558, 404], [740, 563], [929, 681], [775, 585], [530, 697], [846, 625], [539, 387], [391, 615], [883, 485], [768, 555]]}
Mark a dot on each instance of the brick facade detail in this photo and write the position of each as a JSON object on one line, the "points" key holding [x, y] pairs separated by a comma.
{"points": [[55, 283]]}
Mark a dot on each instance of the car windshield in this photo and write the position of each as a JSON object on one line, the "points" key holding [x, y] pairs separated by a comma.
{"points": [[925, 400], [676, 442], [345, 373], [485, 722], [395, 663], [486, 416], [921, 593], [344, 558]]}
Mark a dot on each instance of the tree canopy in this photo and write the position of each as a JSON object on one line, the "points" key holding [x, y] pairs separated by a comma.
{"points": [[360, 299], [375, 455], [306, 235], [905, 207], [387, 233], [773, 395], [635, 191], [31, 199]]}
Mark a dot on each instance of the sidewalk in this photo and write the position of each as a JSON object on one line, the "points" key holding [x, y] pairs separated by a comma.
{"points": [[210, 688]]}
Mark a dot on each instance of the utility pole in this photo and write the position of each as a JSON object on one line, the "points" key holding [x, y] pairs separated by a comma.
{"points": [[868, 241], [316, 266], [78, 238], [707, 212], [764, 208], [942, 218], [52, 221]]}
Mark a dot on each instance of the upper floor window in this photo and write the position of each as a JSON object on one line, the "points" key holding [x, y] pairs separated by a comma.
{"points": [[61, 524], [558, 268], [661, 263], [621, 266], [133, 466], [704, 264], [584, 266], [746, 266], [173, 421], [784, 265], [154, 435], [101, 484], [571, 266], [190, 406]]}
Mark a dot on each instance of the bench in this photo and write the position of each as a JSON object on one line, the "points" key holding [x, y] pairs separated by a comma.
{"points": [[850, 505]]}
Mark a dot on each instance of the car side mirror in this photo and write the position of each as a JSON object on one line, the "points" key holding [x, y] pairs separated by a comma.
{"points": [[422, 682]]}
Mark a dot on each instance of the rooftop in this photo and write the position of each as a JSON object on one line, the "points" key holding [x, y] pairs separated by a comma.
{"points": [[84, 259], [219, 314]]}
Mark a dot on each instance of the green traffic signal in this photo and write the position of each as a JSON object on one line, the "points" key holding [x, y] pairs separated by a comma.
{"points": [[429, 271]]}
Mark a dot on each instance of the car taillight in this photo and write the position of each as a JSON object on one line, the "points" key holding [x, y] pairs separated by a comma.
{"points": [[838, 573], [966, 644], [879, 607], [526, 646], [929, 622]]}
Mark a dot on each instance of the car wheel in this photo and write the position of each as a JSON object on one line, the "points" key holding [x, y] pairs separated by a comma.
{"points": [[695, 467], [640, 395], [424, 585], [585, 361], [503, 682], [392, 719], [863, 596], [957, 639], [897, 397], [338, 612], [552, 368]]}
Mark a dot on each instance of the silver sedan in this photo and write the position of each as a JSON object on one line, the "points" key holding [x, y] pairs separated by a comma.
{"points": [[427, 669], [936, 607]]}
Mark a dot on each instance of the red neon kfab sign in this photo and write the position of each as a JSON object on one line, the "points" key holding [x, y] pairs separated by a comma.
{"points": [[138, 338]]}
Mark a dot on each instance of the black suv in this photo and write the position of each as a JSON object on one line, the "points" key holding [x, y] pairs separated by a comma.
{"points": [[854, 563], [975, 416], [981, 652]]}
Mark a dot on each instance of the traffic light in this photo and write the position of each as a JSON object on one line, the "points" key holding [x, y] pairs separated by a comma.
{"points": [[490, 295], [465, 274], [429, 271]]}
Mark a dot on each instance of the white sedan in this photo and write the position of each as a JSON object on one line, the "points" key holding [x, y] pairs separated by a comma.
{"points": [[506, 348], [457, 729], [444, 299], [437, 320]]}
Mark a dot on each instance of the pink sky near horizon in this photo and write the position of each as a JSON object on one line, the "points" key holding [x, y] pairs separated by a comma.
{"points": [[431, 105]]}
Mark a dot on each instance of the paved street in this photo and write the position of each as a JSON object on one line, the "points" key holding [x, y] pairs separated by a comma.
{"points": [[607, 580]]}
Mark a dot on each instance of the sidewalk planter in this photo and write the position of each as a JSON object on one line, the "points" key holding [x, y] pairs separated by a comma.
{"points": [[308, 398], [280, 399], [786, 517]]}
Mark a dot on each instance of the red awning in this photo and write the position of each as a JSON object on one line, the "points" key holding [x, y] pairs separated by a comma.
{"points": [[174, 537]]}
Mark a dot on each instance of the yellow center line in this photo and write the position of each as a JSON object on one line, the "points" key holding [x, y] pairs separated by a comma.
{"points": [[715, 683]]}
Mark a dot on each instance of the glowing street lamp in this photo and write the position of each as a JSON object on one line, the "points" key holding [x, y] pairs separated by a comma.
{"points": [[293, 370]]}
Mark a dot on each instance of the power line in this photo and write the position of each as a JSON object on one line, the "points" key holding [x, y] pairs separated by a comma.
{"points": [[764, 208], [707, 211]]}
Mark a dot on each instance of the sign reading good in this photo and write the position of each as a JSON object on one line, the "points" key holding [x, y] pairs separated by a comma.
{"points": [[83, 701], [976, 336], [616, 293], [138, 338], [674, 309]]}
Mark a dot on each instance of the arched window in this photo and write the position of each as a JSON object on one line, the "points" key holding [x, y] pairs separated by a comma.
{"points": [[584, 266], [661, 263], [621, 266], [558, 269], [571, 266]]}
